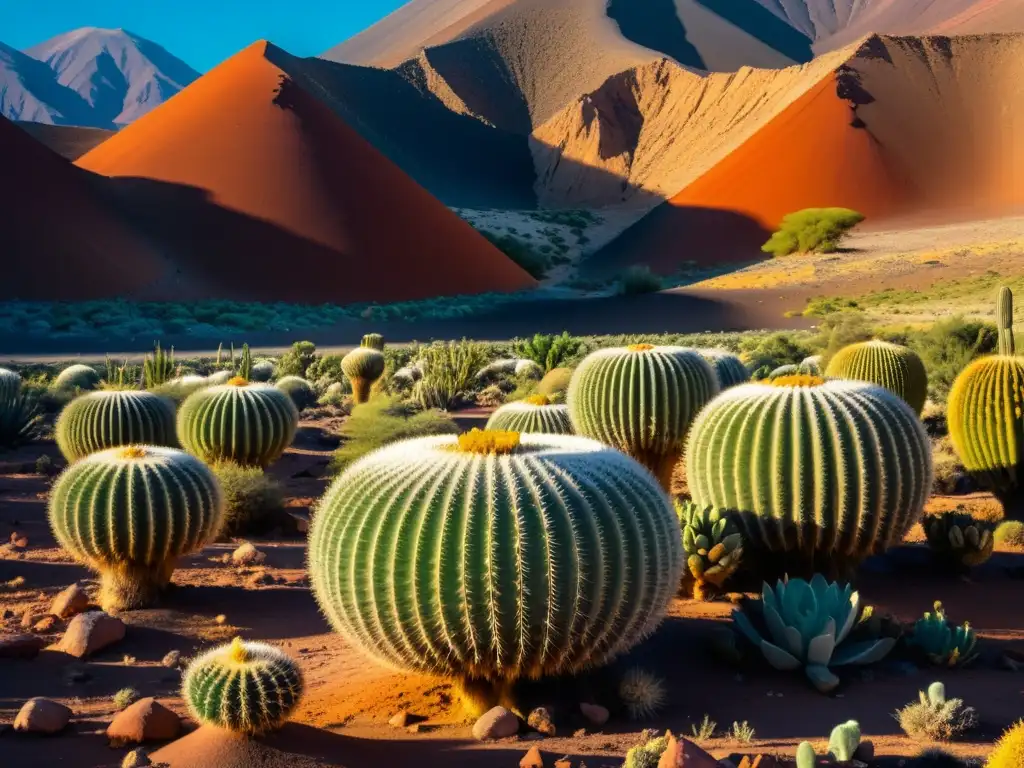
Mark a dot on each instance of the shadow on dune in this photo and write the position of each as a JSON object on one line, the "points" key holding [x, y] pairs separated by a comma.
{"points": [[757, 21], [655, 24]]}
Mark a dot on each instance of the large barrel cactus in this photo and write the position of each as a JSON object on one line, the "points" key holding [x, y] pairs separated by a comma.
{"points": [[729, 369], [534, 414], [641, 400], [107, 419], [10, 384], [130, 513], [363, 366], [818, 474], [77, 376], [494, 556], [985, 413], [244, 687], [892, 366], [249, 424]]}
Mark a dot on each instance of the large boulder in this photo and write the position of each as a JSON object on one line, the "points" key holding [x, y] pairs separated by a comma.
{"points": [[145, 720], [90, 632], [496, 723], [41, 715]]}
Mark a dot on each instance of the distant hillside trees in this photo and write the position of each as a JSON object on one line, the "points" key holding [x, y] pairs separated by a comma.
{"points": [[812, 230]]}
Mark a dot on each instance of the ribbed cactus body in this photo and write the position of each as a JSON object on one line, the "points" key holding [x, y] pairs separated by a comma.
{"points": [[1004, 319], [363, 367], [262, 371], [892, 366], [249, 424], [219, 377], [130, 512], [77, 377], [536, 414], [729, 369], [101, 420], [245, 687], [10, 384], [820, 473], [493, 555], [373, 341], [641, 400], [299, 390]]}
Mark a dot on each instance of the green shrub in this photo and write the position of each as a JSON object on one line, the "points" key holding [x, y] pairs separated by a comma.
{"points": [[773, 351], [936, 718], [20, 419], [535, 262], [297, 360], [949, 346], [450, 373], [253, 502], [639, 279], [817, 230], [125, 698], [158, 368], [547, 351], [326, 367], [646, 755], [1010, 534]]}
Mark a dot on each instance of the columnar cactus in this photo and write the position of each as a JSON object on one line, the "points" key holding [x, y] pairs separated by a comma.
{"points": [[77, 376], [107, 419], [363, 367], [534, 414], [892, 366], [985, 414], [818, 474], [130, 513], [713, 548], [246, 687], [959, 540], [729, 369], [249, 424], [373, 341], [299, 390], [493, 556], [641, 400], [10, 384]]}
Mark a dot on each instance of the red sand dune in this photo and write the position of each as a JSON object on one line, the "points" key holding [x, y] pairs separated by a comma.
{"points": [[262, 192]]}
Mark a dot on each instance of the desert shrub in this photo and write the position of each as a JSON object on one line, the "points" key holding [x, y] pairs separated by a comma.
{"points": [[382, 421], [450, 373], [158, 368], [1010, 534], [773, 351], [546, 350], [817, 230], [936, 718], [20, 419], [949, 470], [325, 367], [646, 755], [639, 279], [297, 360], [947, 347], [535, 262], [125, 698], [555, 383], [838, 332], [252, 500], [299, 390]]}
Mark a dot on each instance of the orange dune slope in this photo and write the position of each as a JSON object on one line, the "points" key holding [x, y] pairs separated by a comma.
{"points": [[263, 193]]}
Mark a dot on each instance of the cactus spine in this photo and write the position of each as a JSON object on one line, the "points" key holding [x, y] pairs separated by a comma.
{"points": [[494, 556], [249, 424], [107, 419], [373, 341], [10, 385], [729, 369], [641, 400], [77, 376], [244, 687], [896, 368], [130, 513], [818, 474], [363, 366], [534, 414]]}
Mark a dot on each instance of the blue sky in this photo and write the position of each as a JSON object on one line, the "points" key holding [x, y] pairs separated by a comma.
{"points": [[202, 32]]}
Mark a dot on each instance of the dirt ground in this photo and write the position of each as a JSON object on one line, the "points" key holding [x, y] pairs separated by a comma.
{"points": [[342, 720]]}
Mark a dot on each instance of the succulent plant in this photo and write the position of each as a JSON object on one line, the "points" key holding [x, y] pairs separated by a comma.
{"points": [[1009, 751], [493, 556], [958, 539], [641, 400], [244, 687], [299, 390], [536, 413], [985, 414], [20, 419], [262, 371], [897, 368], [713, 548], [844, 741], [806, 757], [941, 643], [362, 366], [10, 384], [130, 513], [158, 368], [855, 459], [555, 384], [77, 376], [643, 694], [249, 424], [808, 625], [101, 420], [729, 369], [373, 341]]}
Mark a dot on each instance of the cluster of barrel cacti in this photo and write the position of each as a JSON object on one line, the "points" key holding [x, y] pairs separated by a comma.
{"points": [[106, 419]]}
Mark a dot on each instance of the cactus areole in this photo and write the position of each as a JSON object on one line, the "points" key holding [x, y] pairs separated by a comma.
{"points": [[495, 556]]}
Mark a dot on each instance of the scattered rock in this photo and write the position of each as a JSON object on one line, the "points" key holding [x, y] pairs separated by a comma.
{"points": [[145, 720], [46, 625], [247, 554], [20, 647], [90, 632], [41, 715], [30, 617], [402, 720], [136, 759], [417, 728], [541, 720], [71, 602], [496, 723], [594, 713], [565, 762], [172, 660], [681, 752], [532, 759], [19, 540], [259, 579]]}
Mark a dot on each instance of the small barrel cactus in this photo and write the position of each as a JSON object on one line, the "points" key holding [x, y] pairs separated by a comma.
{"points": [[494, 556], [107, 419], [897, 368], [299, 390], [818, 474], [77, 376], [373, 341], [249, 424], [812, 365], [534, 414], [262, 371], [713, 548], [959, 540], [363, 367], [245, 687], [641, 400], [10, 384], [790, 369], [942, 644], [729, 369], [130, 513], [555, 383], [218, 378]]}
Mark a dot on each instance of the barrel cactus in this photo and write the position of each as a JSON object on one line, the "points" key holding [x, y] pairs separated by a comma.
{"points": [[262, 371], [107, 419], [373, 341], [299, 390], [985, 414], [1009, 751], [493, 556], [218, 378], [819, 474], [10, 384], [958, 540], [534, 414], [897, 368], [712, 546], [729, 369], [245, 687], [363, 367], [130, 513], [641, 399], [249, 424], [555, 384], [790, 369], [82, 377]]}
